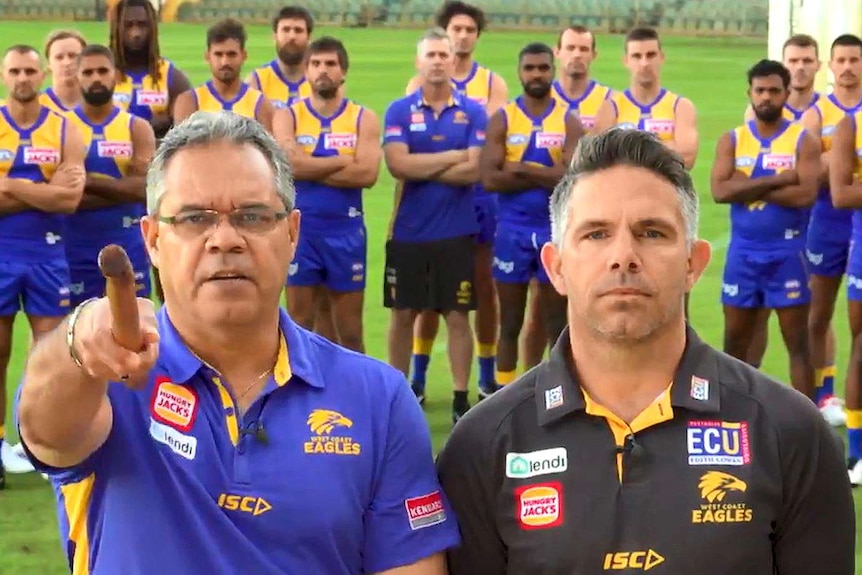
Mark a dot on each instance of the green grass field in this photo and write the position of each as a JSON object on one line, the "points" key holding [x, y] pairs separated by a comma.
{"points": [[709, 71]]}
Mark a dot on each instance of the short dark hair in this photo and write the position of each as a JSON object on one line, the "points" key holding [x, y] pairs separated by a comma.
{"points": [[577, 29], [534, 49], [801, 41], [846, 40], [97, 50], [294, 13], [624, 147], [20, 49], [641, 34], [452, 8], [227, 29], [330, 44], [766, 68]]}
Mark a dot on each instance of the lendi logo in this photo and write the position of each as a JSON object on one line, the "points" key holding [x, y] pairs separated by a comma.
{"points": [[533, 463]]}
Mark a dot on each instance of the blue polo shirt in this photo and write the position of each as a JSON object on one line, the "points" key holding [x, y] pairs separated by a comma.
{"points": [[429, 210], [330, 471]]}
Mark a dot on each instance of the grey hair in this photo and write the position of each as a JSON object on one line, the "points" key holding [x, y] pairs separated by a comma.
{"points": [[621, 146], [209, 127], [434, 34]]}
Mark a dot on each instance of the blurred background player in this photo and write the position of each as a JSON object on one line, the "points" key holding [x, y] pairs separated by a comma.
{"points": [[119, 148], [830, 228], [283, 82], [147, 84], [283, 79], [529, 144], [801, 58], [464, 23], [646, 105], [225, 90], [62, 49], [431, 142], [582, 95], [767, 170], [845, 182], [41, 180], [334, 148]]}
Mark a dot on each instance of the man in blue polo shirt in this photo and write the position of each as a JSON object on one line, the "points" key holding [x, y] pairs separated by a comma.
{"points": [[235, 441], [431, 142]]}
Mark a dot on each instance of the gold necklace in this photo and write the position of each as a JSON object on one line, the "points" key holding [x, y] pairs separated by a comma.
{"points": [[253, 383]]}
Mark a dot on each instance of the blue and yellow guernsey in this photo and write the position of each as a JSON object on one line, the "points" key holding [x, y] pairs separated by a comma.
{"points": [[109, 153], [277, 88], [793, 114], [762, 225], [831, 112], [326, 207], [141, 95], [32, 154], [246, 103], [329, 470], [535, 140], [657, 117], [587, 105], [857, 147]]}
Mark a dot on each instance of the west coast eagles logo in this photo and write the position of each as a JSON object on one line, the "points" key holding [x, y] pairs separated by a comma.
{"points": [[326, 426], [714, 485], [323, 421]]}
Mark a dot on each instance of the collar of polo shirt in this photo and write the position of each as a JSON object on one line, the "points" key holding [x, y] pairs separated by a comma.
{"points": [[181, 364], [455, 99], [697, 371]]}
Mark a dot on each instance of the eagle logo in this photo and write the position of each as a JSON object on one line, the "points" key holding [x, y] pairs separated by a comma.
{"points": [[714, 485], [323, 421]]}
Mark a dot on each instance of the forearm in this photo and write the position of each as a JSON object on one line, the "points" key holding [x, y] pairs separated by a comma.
{"points": [[91, 202], [353, 176], [848, 196], [688, 154], [310, 168], [45, 197], [420, 167], [129, 189], [11, 205], [462, 174], [796, 196], [59, 404], [502, 181], [741, 190], [545, 177]]}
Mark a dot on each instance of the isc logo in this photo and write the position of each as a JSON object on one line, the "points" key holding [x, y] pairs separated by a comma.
{"points": [[245, 504], [640, 560]]}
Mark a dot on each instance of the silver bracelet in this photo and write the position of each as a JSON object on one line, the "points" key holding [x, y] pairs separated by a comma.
{"points": [[70, 330]]}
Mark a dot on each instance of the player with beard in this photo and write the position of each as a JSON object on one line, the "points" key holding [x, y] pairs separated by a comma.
{"points": [[334, 147], [62, 49], [574, 88], [41, 180], [529, 144], [283, 80], [845, 183], [800, 57], [830, 228], [226, 91], [767, 171], [464, 23], [119, 147], [147, 85]]}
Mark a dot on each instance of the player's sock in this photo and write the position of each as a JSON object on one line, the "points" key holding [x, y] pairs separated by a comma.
{"points": [[2, 471], [421, 359], [824, 383], [854, 434], [487, 356], [506, 377]]}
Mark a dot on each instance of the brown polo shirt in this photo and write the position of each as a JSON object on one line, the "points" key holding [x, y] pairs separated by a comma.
{"points": [[727, 472]]}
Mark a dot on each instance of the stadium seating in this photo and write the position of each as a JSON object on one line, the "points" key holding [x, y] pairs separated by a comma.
{"points": [[748, 17]]}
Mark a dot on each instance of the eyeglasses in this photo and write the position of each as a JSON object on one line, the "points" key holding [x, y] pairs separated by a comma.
{"points": [[251, 220]]}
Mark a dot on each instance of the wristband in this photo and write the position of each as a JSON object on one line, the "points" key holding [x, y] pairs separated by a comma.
{"points": [[70, 330]]}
